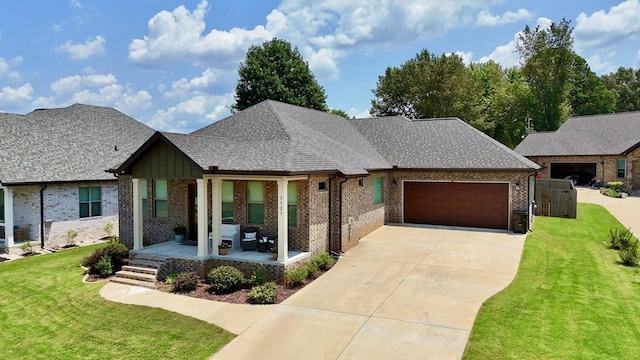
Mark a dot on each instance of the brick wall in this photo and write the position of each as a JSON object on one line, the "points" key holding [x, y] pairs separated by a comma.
{"points": [[317, 210], [62, 207], [606, 167], [519, 198]]}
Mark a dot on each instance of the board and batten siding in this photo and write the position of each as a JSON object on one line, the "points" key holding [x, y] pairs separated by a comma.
{"points": [[165, 162]]}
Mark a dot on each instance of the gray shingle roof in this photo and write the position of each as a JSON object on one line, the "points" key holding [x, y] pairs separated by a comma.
{"points": [[610, 134], [281, 137], [446, 143], [75, 143]]}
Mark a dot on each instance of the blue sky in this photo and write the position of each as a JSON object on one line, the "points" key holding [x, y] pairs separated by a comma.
{"points": [[173, 64]]}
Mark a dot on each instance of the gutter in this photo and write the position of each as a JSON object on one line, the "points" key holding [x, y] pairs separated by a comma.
{"points": [[42, 223]]}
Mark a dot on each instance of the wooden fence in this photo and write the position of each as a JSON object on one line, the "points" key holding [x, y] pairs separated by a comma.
{"points": [[556, 198]]}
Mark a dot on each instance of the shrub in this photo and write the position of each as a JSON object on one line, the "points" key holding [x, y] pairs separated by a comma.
{"points": [[108, 228], [71, 236], [629, 253], [114, 249], [185, 282], [27, 248], [170, 277], [259, 277], [225, 278], [266, 293], [104, 266], [616, 185], [312, 269], [611, 193], [323, 260], [619, 238], [295, 277]]}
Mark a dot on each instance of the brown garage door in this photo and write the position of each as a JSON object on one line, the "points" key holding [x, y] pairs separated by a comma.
{"points": [[482, 205]]}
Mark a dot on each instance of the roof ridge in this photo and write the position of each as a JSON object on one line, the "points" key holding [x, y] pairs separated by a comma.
{"points": [[274, 111], [499, 145]]}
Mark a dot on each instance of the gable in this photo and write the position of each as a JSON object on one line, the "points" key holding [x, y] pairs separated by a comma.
{"points": [[162, 161]]}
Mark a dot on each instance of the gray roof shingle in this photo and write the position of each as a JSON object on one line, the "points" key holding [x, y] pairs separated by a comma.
{"points": [[76, 143], [445, 143], [609, 134]]}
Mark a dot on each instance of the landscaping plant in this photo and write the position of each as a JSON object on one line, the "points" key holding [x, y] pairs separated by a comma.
{"points": [[114, 249], [27, 248], [225, 278], [104, 266], [71, 237], [323, 260], [295, 277], [259, 277], [185, 282], [266, 293], [619, 238]]}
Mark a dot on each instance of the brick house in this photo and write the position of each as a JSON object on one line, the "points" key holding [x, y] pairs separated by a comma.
{"points": [[604, 147], [52, 176], [313, 181]]}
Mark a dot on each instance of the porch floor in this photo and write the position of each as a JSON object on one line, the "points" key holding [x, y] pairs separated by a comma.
{"points": [[189, 249]]}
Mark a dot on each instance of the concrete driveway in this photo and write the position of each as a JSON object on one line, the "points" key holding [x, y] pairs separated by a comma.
{"points": [[625, 210], [403, 293]]}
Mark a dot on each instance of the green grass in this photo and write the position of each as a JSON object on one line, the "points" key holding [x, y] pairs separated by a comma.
{"points": [[571, 298], [46, 312]]}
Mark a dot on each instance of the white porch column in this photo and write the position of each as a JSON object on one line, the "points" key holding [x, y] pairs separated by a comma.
{"points": [[202, 216], [283, 220], [216, 213], [137, 214], [8, 217]]}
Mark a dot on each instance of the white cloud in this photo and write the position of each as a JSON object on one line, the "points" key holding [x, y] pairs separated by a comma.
{"points": [[75, 3], [506, 55], [484, 17], [325, 31], [599, 66], [22, 93], [201, 109], [603, 30], [90, 48], [198, 84], [14, 76], [466, 56], [4, 67], [179, 35], [74, 83], [43, 103]]}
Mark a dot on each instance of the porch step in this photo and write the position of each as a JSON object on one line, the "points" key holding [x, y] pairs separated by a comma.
{"points": [[137, 275], [127, 281], [148, 263], [141, 269]]}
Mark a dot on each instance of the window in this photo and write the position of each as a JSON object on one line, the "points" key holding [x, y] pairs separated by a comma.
{"points": [[322, 186], [622, 168], [160, 203], [145, 207], [377, 190], [90, 201], [2, 205], [361, 182], [255, 202], [292, 203], [227, 202]]}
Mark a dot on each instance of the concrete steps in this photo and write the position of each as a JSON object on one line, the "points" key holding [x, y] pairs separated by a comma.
{"points": [[137, 275]]}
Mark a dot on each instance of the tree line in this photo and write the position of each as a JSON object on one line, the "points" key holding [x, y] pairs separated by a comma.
{"points": [[551, 84]]}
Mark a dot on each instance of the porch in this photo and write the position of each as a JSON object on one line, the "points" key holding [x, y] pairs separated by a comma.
{"points": [[189, 250]]}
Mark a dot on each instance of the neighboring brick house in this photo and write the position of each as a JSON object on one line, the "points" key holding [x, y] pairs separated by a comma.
{"points": [[315, 181], [52, 176], [604, 147]]}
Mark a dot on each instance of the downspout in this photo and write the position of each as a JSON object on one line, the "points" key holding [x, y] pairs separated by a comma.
{"points": [[529, 200], [42, 223], [329, 247], [340, 212]]}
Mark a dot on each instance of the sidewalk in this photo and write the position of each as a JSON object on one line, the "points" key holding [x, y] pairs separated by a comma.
{"points": [[235, 318]]}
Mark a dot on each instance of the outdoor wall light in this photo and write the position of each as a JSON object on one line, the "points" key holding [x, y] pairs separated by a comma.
{"points": [[517, 185]]}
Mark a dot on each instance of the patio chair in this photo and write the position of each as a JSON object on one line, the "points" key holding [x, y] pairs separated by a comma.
{"points": [[249, 239]]}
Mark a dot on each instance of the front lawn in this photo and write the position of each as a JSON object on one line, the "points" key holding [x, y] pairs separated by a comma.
{"points": [[47, 312], [570, 300]]}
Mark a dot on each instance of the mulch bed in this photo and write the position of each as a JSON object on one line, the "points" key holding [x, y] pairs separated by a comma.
{"points": [[3, 259], [239, 296]]}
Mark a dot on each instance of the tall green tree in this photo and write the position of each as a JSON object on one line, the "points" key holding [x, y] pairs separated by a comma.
{"points": [[503, 102], [275, 70], [588, 94], [339, 112], [625, 83], [547, 56], [426, 86]]}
